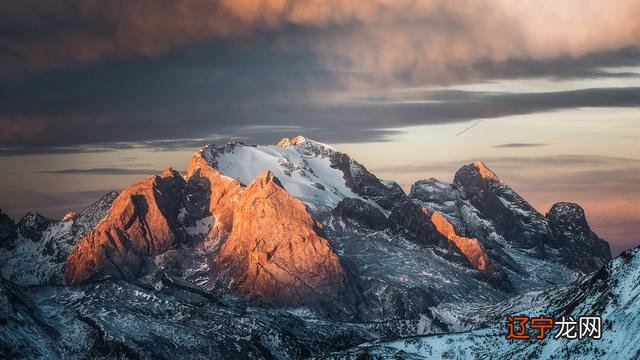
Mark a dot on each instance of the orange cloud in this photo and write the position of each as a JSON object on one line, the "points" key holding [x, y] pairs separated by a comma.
{"points": [[402, 40]]}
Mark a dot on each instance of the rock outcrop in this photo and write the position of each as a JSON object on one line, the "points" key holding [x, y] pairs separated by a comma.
{"points": [[7, 230], [364, 183], [275, 252], [579, 247], [513, 217], [362, 213], [469, 247], [414, 222], [216, 192], [32, 225], [141, 222]]}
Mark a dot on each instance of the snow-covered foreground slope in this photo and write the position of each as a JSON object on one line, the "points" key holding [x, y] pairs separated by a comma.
{"points": [[612, 293]]}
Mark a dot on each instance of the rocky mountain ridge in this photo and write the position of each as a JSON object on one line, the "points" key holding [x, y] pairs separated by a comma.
{"points": [[302, 228]]}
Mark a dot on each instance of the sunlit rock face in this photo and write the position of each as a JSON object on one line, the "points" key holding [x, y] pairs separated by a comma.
{"points": [[274, 252], [141, 222], [479, 206], [284, 142], [579, 246], [217, 192], [470, 247], [484, 171]]}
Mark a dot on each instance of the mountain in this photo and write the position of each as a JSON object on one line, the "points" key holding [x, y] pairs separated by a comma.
{"points": [[285, 251], [275, 251]]}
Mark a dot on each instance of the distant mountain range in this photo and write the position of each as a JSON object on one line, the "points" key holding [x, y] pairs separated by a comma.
{"points": [[296, 250]]}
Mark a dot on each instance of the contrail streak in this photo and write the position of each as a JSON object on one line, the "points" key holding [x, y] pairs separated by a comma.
{"points": [[476, 123]]}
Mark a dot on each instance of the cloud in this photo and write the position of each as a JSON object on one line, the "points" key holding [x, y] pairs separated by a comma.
{"points": [[588, 65], [172, 74], [178, 105], [519, 145], [379, 40], [575, 165], [55, 150], [104, 171]]}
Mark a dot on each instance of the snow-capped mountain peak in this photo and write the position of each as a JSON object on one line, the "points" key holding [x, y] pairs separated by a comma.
{"points": [[290, 236]]}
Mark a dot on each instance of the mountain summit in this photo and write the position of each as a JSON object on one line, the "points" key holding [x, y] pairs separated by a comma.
{"points": [[293, 233]]}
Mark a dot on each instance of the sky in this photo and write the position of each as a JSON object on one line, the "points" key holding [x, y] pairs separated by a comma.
{"points": [[95, 95]]}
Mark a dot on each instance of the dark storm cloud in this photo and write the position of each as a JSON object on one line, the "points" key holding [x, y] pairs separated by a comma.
{"points": [[39, 34], [83, 76], [156, 118], [19, 150], [589, 65], [210, 94]]}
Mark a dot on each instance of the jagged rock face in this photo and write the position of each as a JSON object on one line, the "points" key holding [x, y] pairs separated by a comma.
{"points": [[412, 303], [274, 252], [361, 212], [415, 222], [513, 217], [567, 218], [469, 247], [581, 248], [32, 225], [208, 191], [433, 191], [7, 229], [141, 222], [364, 183], [478, 205]]}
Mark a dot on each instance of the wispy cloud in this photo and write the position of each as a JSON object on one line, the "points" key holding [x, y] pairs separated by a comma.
{"points": [[153, 125], [519, 145], [568, 163], [104, 171]]}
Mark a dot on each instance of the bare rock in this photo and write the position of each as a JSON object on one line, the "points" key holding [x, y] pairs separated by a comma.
{"points": [[469, 247], [580, 248], [141, 222], [275, 252]]}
